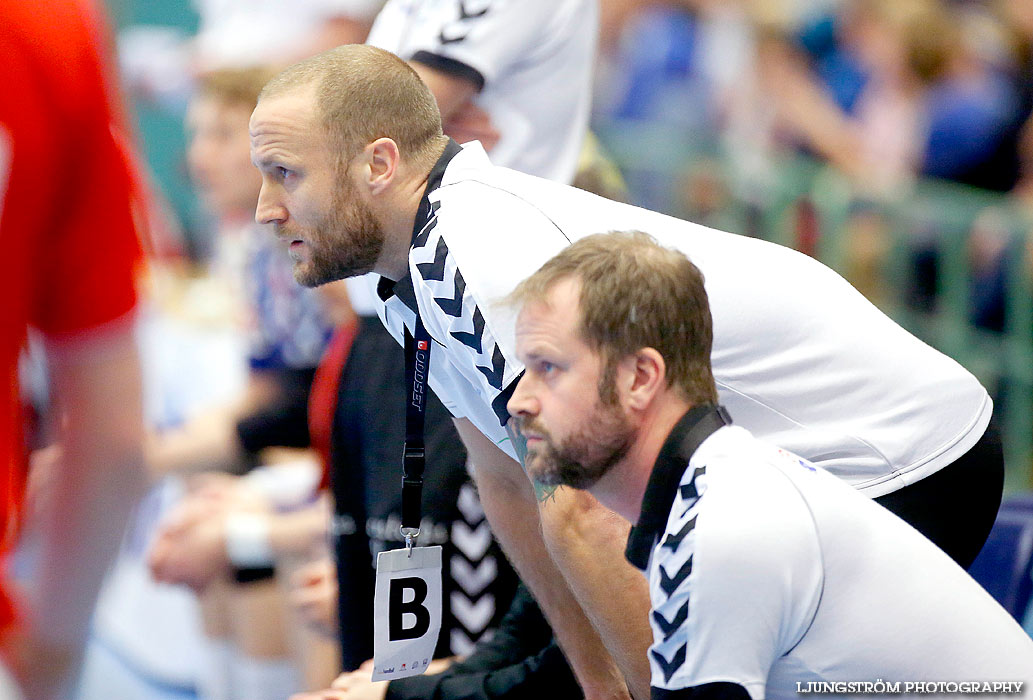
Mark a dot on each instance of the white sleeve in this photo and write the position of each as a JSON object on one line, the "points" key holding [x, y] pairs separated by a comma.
{"points": [[488, 36], [456, 318], [736, 592], [443, 376], [357, 9], [460, 277]]}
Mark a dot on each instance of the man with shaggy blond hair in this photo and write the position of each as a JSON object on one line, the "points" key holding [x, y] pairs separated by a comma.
{"points": [[766, 574]]}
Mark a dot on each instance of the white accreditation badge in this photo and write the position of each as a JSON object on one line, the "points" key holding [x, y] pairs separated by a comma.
{"points": [[406, 611]]}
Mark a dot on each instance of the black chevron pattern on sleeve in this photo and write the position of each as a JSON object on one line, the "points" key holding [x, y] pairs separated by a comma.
{"points": [[435, 271], [466, 14], [472, 340], [689, 490], [669, 667], [674, 539], [669, 628], [454, 306], [424, 235], [670, 584], [498, 368], [499, 405]]}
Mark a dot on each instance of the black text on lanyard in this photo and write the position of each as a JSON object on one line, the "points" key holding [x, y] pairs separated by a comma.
{"points": [[417, 367]]}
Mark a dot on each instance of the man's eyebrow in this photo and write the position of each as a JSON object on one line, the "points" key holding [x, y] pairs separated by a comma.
{"points": [[266, 160], [535, 354]]}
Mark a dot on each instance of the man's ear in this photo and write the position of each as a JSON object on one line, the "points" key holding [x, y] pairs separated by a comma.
{"points": [[382, 163], [641, 377]]}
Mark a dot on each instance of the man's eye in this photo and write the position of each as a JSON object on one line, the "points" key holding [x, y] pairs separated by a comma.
{"points": [[546, 367], [282, 172]]}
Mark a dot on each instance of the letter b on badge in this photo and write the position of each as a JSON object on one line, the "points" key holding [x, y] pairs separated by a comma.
{"points": [[406, 612], [399, 609]]}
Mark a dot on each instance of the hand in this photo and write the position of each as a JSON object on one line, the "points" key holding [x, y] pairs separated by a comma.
{"points": [[190, 547], [328, 694], [211, 484], [227, 491], [358, 686], [350, 686], [314, 595], [471, 123]]}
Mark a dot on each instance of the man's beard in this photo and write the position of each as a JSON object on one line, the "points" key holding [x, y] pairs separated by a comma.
{"points": [[347, 242], [584, 457]]}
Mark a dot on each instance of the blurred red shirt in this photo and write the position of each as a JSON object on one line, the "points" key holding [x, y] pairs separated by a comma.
{"points": [[69, 249]]}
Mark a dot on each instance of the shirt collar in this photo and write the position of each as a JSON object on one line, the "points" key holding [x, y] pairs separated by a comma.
{"points": [[403, 288], [698, 423]]}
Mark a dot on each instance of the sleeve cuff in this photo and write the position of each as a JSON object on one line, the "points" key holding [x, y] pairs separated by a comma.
{"points": [[450, 66], [247, 540]]}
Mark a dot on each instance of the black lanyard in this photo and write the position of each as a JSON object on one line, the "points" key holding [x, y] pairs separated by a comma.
{"points": [[417, 367]]}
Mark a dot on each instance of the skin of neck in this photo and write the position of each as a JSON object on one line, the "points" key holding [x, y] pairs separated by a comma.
{"points": [[396, 210], [622, 488]]}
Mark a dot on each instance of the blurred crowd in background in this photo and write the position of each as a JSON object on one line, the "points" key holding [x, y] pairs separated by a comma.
{"points": [[886, 93]]}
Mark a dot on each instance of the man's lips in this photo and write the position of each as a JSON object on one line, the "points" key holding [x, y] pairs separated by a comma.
{"points": [[531, 431], [294, 248], [284, 236]]}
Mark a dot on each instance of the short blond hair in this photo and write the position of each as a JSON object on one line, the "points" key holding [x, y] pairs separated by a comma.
{"points": [[635, 294], [364, 93], [234, 86]]}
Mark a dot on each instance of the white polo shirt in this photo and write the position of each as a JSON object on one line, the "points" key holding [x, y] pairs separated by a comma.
{"points": [[769, 573], [531, 59], [241, 33], [800, 357]]}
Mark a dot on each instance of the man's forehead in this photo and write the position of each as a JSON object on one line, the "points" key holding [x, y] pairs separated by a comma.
{"points": [[293, 110], [555, 314]]}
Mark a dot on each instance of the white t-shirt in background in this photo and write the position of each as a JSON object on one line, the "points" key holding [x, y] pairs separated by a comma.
{"points": [[532, 58]]}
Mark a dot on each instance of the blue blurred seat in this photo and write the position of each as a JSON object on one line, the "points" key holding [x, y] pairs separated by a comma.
{"points": [[1004, 565], [1021, 502]]}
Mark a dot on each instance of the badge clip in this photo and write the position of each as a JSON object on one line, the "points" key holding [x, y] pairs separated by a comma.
{"points": [[410, 534]]}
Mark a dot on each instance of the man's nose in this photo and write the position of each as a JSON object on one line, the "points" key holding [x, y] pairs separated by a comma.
{"points": [[269, 209], [523, 402]]}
